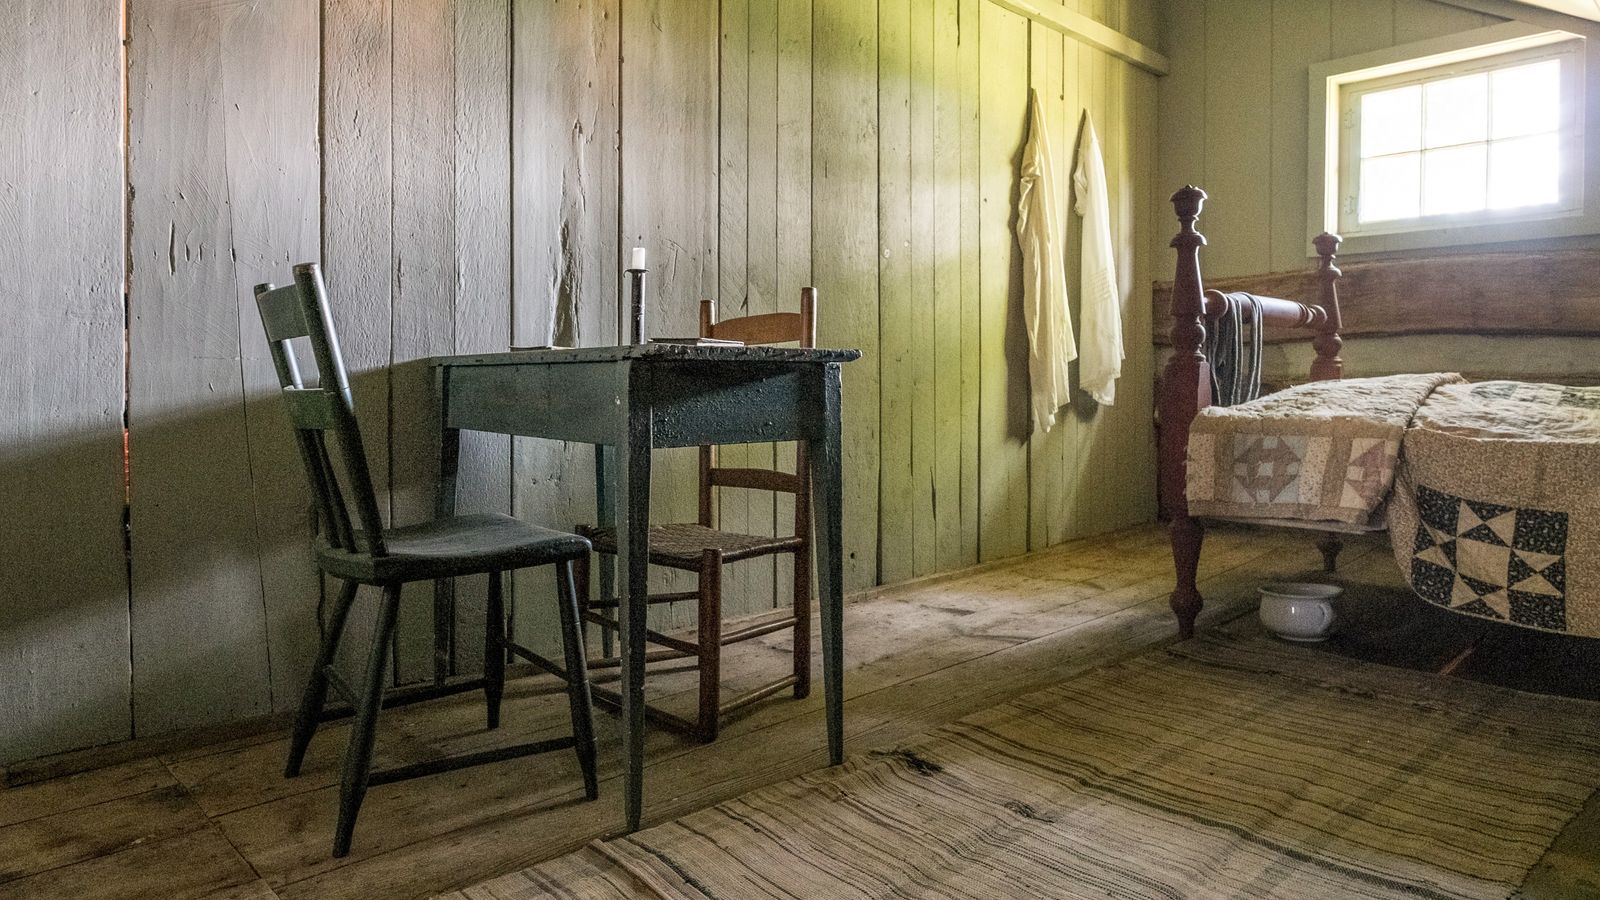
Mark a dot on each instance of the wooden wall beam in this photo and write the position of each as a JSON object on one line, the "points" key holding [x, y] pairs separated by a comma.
{"points": [[1081, 27], [1526, 293]]}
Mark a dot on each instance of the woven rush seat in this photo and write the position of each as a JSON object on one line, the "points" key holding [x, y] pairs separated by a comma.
{"points": [[681, 544]]}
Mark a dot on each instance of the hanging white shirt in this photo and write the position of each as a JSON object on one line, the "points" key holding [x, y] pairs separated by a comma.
{"points": [[1101, 312], [1044, 274]]}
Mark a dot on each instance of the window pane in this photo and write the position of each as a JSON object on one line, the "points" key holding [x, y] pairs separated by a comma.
{"points": [[1390, 187], [1453, 179], [1391, 121], [1457, 110], [1524, 172], [1527, 99]]}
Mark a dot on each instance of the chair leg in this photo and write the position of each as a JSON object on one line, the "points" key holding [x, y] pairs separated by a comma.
{"points": [[580, 571], [802, 625], [358, 756], [710, 643], [494, 648], [579, 701], [315, 695]]}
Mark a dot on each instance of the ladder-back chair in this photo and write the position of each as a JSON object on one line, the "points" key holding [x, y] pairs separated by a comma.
{"points": [[354, 546], [702, 548]]}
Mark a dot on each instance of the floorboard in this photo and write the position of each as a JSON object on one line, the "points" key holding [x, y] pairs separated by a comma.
{"points": [[217, 821]]}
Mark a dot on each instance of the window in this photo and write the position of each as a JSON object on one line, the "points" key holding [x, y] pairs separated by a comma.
{"points": [[1468, 144]]}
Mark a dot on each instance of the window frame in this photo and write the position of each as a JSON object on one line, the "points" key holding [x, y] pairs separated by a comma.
{"points": [[1333, 147]]}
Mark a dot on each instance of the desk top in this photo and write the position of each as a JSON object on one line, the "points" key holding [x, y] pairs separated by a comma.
{"points": [[650, 352]]}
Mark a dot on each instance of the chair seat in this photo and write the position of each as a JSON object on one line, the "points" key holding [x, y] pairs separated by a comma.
{"points": [[459, 545], [680, 545]]}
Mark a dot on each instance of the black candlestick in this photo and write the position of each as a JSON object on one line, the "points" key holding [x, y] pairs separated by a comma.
{"points": [[635, 326]]}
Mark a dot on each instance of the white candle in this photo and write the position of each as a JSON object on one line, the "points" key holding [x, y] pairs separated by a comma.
{"points": [[638, 258]]}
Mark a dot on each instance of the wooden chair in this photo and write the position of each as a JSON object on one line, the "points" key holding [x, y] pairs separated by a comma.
{"points": [[700, 547], [360, 550]]}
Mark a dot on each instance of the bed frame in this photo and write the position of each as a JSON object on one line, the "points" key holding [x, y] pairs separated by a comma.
{"points": [[1186, 384]]}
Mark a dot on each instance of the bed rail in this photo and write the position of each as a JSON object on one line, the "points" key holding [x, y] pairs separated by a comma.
{"points": [[1186, 382]]}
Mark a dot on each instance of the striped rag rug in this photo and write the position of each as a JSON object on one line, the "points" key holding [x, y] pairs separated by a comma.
{"points": [[1224, 767]]}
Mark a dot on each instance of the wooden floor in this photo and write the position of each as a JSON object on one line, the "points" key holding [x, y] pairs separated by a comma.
{"points": [[220, 821]]}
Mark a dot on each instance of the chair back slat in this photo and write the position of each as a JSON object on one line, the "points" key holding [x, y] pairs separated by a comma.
{"points": [[302, 310], [766, 328], [756, 479], [310, 409], [283, 316]]}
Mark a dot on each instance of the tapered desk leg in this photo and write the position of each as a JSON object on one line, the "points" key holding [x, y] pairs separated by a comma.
{"points": [[605, 517], [827, 501], [633, 554]]}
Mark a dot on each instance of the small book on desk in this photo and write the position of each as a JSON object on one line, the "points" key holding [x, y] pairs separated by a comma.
{"points": [[697, 342]]}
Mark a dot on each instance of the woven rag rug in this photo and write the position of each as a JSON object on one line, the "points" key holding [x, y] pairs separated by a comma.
{"points": [[1224, 768], [1315, 455], [1496, 508]]}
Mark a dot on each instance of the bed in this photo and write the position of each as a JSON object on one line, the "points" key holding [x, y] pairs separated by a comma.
{"points": [[1489, 492]]}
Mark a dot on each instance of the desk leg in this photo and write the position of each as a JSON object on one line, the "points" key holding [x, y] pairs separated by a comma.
{"points": [[444, 504], [827, 501], [605, 499], [633, 555]]}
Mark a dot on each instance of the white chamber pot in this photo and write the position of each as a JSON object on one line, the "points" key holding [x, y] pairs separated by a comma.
{"points": [[1299, 611]]}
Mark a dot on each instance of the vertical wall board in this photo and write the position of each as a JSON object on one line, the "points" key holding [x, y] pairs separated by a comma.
{"points": [[424, 146], [1049, 501], [669, 203], [844, 250], [1181, 100], [945, 295], [1089, 473], [1416, 20], [482, 314], [794, 219], [1044, 448], [748, 585], [565, 135], [1238, 137], [357, 235], [736, 84], [199, 625], [1300, 38], [1004, 418], [924, 396], [275, 202], [1361, 25], [1140, 367], [64, 679], [1062, 465], [969, 16], [896, 366]]}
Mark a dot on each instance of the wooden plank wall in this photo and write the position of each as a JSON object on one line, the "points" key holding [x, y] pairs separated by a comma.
{"points": [[64, 674], [470, 173], [1234, 114]]}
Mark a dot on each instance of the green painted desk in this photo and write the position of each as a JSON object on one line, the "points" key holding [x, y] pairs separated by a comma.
{"points": [[628, 400]]}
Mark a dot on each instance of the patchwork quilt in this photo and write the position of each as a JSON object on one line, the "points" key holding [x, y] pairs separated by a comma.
{"points": [[1490, 491], [1317, 455], [1496, 508]]}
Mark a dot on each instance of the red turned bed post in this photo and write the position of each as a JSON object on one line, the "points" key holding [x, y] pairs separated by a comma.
{"points": [[1185, 390]]}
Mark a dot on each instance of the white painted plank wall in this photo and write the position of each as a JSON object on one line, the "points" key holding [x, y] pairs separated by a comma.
{"points": [[64, 674], [481, 168]]}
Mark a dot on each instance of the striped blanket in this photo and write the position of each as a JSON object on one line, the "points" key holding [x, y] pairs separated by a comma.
{"points": [[1221, 768]]}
